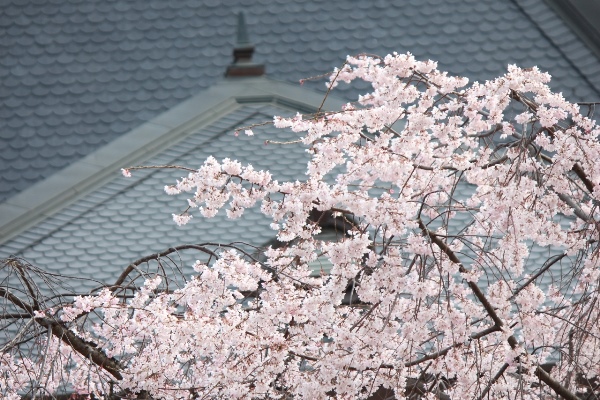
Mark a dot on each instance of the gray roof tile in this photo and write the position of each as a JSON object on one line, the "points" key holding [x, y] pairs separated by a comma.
{"points": [[118, 63], [126, 224]]}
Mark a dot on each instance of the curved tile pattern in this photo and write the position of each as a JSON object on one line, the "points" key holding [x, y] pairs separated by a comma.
{"points": [[76, 75]]}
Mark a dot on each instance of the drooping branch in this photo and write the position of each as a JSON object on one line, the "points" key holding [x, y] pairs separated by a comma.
{"points": [[493, 381], [584, 178], [555, 385], [82, 347], [443, 352], [156, 256], [540, 373], [17, 301], [59, 330], [474, 288]]}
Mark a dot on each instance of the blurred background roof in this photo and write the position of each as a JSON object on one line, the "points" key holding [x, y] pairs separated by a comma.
{"points": [[74, 75]]}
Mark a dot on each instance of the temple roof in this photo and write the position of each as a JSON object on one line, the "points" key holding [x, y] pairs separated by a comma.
{"points": [[91, 233], [75, 76]]}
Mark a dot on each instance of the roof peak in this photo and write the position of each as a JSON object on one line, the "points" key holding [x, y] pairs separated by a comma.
{"points": [[242, 65], [242, 32]]}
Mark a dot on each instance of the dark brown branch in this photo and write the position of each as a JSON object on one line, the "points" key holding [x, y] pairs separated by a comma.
{"points": [[17, 301], [63, 333], [537, 274], [540, 373], [161, 167], [492, 382], [445, 351], [446, 167], [495, 162], [474, 288], [576, 209], [156, 256], [555, 385], [15, 315], [581, 174], [82, 347], [362, 319]]}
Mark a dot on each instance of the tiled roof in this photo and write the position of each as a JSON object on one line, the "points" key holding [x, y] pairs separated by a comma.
{"points": [[95, 238], [131, 217], [76, 75]]}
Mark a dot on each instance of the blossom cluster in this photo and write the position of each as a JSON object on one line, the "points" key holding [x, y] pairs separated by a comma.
{"points": [[450, 189]]}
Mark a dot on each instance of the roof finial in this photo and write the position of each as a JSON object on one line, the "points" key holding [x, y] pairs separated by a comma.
{"points": [[242, 54], [242, 32]]}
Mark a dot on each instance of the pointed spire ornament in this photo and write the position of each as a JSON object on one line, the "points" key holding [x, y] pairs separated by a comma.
{"points": [[242, 65], [242, 31]]}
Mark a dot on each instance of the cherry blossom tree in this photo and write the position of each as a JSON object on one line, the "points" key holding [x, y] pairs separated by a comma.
{"points": [[443, 190]]}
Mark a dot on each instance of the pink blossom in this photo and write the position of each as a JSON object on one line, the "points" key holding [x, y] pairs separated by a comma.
{"points": [[181, 219], [436, 205]]}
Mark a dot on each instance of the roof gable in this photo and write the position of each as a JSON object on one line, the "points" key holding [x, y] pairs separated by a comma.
{"points": [[90, 196]]}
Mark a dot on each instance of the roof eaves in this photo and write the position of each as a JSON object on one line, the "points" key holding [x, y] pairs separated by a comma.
{"points": [[46, 197], [554, 24], [583, 17]]}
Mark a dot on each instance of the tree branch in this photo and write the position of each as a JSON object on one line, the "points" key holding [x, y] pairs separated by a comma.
{"points": [[63, 333], [445, 351], [474, 288], [81, 346], [492, 382], [582, 175], [540, 373], [555, 385], [156, 256], [537, 274]]}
